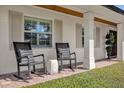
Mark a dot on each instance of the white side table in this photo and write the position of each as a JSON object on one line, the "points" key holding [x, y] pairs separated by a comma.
{"points": [[52, 66]]}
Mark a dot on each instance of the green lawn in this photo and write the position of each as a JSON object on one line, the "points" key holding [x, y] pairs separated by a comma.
{"points": [[107, 77]]}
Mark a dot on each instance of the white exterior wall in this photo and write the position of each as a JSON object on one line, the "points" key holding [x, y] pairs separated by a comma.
{"points": [[120, 42], [7, 56], [100, 52]]}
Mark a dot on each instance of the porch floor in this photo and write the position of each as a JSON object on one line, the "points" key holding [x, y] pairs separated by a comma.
{"points": [[9, 80]]}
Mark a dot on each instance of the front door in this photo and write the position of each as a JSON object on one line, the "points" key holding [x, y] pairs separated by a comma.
{"points": [[114, 45]]}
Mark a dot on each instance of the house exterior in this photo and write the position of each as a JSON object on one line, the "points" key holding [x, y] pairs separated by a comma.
{"points": [[83, 27]]}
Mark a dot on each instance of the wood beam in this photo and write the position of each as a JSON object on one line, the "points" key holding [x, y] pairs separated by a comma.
{"points": [[62, 10], [74, 13], [105, 21]]}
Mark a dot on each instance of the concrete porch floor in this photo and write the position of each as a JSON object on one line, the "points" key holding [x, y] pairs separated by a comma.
{"points": [[9, 81]]}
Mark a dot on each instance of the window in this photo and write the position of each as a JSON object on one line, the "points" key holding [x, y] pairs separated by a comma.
{"points": [[82, 37], [38, 32], [79, 35]]}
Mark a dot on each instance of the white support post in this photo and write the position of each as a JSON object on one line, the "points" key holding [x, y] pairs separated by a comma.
{"points": [[89, 59], [120, 41]]}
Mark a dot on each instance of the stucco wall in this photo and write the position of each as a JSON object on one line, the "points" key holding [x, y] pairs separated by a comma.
{"points": [[7, 56]]}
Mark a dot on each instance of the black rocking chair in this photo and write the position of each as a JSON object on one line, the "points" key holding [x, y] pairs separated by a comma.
{"points": [[63, 53], [25, 57]]}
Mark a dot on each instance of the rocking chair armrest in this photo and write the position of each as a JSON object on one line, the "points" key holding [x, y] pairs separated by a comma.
{"points": [[42, 55], [23, 57], [39, 55], [73, 53]]}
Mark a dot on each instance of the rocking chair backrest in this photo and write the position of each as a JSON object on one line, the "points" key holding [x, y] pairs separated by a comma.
{"points": [[22, 46], [61, 45]]}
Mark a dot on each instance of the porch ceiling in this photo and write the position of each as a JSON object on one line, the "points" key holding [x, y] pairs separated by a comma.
{"points": [[74, 13]]}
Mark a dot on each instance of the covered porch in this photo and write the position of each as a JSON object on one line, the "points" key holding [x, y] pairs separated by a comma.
{"points": [[83, 27], [9, 81]]}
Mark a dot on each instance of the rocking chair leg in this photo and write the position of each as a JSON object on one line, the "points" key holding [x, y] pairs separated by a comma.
{"points": [[29, 71], [34, 68], [18, 71], [75, 64], [44, 67], [18, 74], [61, 65], [71, 65]]}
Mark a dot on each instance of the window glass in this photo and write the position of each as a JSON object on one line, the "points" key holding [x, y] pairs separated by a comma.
{"points": [[27, 36], [82, 37], [44, 27], [45, 39], [34, 39], [38, 32], [30, 25], [79, 35]]}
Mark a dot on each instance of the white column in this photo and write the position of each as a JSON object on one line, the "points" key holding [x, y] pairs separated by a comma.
{"points": [[89, 60], [120, 41]]}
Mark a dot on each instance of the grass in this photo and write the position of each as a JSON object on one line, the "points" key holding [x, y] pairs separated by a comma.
{"points": [[107, 77]]}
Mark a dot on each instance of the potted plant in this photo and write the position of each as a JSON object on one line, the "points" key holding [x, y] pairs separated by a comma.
{"points": [[109, 43], [108, 50]]}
